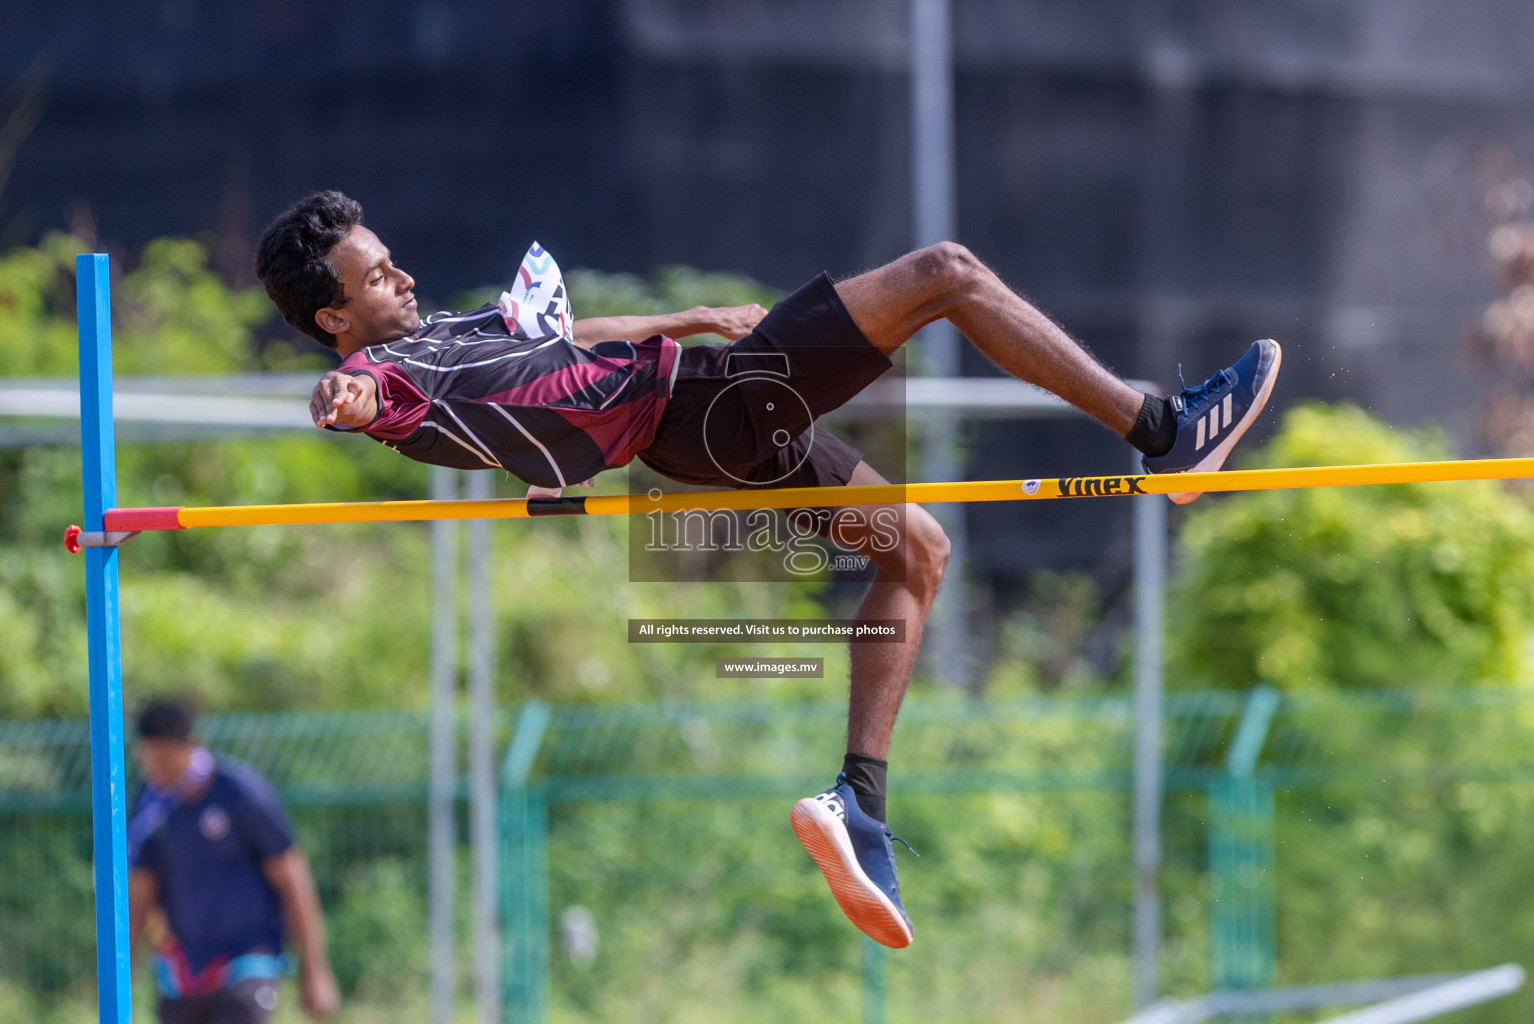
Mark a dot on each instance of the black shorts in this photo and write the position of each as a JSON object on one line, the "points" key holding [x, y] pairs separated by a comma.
{"points": [[247, 1002], [742, 413]]}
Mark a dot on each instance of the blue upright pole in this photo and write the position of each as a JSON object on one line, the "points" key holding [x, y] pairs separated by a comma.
{"points": [[108, 778]]}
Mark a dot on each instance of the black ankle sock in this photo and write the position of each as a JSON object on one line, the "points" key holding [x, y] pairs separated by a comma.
{"points": [[866, 777], [1155, 429]]}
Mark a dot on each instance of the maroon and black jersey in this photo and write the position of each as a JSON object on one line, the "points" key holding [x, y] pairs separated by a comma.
{"points": [[466, 393]]}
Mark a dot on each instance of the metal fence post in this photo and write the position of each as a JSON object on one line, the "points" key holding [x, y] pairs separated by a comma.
{"points": [[444, 759], [1149, 602], [516, 917], [1241, 932], [482, 807], [1241, 867], [537, 847], [525, 874], [934, 207], [104, 646], [526, 904], [875, 982]]}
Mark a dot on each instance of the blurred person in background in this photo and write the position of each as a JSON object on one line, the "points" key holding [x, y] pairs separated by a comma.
{"points": [[212, 849]]}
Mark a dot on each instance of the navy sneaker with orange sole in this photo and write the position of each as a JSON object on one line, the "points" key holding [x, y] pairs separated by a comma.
{"points": [[856, 854]]}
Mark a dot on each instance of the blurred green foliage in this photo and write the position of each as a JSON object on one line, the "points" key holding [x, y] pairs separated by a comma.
{"points": [[1045, 643], [171, 315], [706, 911], [1408, 585], [374, 929]]}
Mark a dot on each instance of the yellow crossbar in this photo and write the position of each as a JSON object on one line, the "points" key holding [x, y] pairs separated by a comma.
{"points": [[922, 493]]}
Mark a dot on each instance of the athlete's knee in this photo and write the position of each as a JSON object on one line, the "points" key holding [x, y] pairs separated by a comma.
{"points": [[948, 263], [927, 548]]}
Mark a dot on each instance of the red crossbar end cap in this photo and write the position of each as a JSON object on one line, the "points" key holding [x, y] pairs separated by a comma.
{"points": [[72, 539], [129, 520]]}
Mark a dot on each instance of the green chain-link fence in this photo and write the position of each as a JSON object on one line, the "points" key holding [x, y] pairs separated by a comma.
{"points": [[649, 873]]}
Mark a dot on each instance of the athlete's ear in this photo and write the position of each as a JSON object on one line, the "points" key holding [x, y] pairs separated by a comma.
{"points": [[332, 320]]}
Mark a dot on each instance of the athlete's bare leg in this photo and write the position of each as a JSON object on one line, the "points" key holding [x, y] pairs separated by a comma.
{"points": [[890, 305], [895, 301], [904, 586], [843, 828], [852, 847]]}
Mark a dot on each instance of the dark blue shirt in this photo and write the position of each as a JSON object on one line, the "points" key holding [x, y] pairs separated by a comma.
{"points": [[207, 857]]}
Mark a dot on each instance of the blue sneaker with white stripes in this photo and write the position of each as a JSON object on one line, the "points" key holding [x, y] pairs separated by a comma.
{"points": [[1212, 416], [855, 853]]}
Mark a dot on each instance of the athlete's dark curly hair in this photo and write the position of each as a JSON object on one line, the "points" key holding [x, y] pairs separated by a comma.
{"points": [[292, 259], [166, 718]]}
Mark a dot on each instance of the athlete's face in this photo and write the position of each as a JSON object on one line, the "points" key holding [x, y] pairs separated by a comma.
{"points": [[163, 761], [379, 303]]}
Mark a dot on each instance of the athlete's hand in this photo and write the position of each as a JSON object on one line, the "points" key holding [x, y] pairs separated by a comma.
{"points": [[344, 400], [318, 992], [734, 322]]}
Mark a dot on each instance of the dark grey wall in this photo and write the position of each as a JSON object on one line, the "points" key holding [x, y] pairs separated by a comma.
{"points": [[1171, 179]]}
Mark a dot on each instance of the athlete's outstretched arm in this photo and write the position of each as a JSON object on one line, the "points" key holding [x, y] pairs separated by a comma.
{"points": [[729, 322], [344, 400]]}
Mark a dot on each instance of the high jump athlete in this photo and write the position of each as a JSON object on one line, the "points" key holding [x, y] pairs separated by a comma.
{"points": [[520, 386]]}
